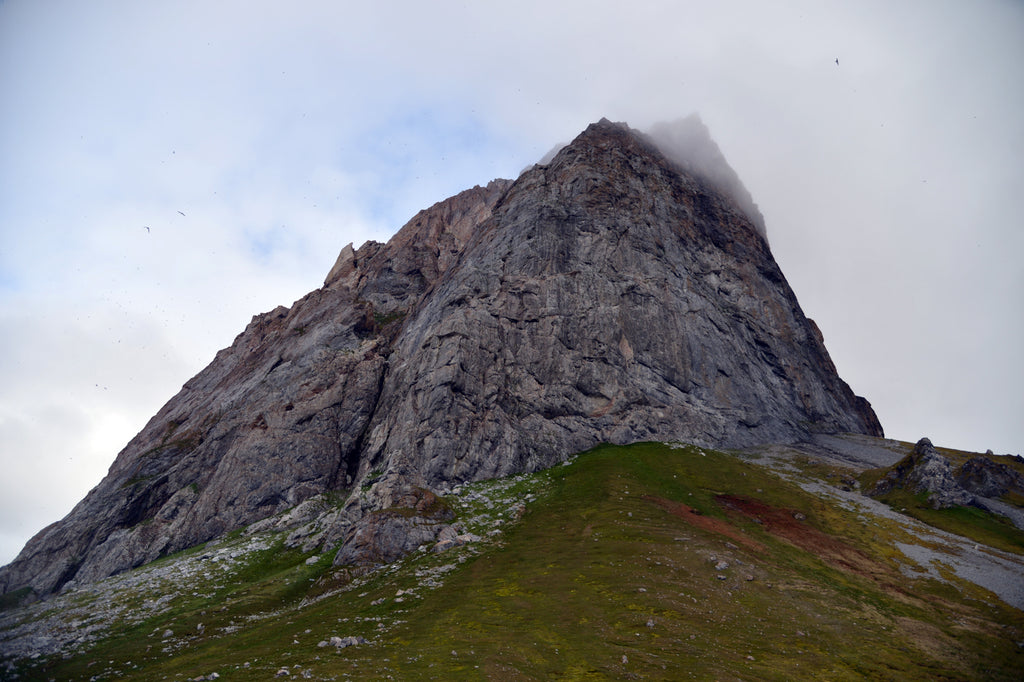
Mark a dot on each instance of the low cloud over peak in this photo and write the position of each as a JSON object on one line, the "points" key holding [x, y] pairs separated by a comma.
{"points": [[687, 142]]}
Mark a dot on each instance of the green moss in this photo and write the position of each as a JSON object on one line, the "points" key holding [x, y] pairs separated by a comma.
{"points": [[371, 478], [1014, 498], [598, 580], [15, 598], [384, 319], [970, 522]]}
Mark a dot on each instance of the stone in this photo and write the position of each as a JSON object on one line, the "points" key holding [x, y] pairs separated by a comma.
{"points": [[924, 470], [380, 537], [985, 477], [451, 541], [343, 642], [344, 266]]}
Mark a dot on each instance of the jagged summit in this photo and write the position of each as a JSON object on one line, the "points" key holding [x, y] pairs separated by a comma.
{"points": [[688, 142], [612, 294]]}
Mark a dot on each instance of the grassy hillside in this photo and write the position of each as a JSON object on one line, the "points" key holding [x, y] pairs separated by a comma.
{"points": [[969, 521], [648, 561]]}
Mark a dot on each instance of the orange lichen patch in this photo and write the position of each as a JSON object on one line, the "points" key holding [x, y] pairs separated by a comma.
{"points": [[698, 520]]}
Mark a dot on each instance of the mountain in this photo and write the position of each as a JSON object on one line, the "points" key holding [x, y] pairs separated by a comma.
{"points": [[618, 293]]}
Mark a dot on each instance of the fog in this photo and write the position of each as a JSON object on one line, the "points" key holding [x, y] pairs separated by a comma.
{"points": [[688, 143]]}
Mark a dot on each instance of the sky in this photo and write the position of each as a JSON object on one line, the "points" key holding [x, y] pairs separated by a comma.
{"points": [[170, 169]]}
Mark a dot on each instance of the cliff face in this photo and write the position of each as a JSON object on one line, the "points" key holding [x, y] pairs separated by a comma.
{"points": [[610, 295]]}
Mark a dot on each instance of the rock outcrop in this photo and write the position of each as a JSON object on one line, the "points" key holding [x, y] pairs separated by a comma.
{"points": [[985, 477], [609, 295], [380, 537], [924, 471]]}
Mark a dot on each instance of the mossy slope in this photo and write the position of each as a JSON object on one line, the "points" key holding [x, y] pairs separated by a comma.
{"points": [[647, 561]]}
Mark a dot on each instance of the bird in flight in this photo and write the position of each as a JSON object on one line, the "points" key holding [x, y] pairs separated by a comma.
{"points": [[181, 213], [147, 228], [837, 61]]}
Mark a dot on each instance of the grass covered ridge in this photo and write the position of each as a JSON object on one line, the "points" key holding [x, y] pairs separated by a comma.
{"points": [[648, 561]]}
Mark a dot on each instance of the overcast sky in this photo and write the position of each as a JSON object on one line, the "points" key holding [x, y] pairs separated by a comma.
{"points": [[170, 169]]}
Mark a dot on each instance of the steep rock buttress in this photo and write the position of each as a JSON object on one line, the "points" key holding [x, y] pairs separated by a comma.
{"points": [[613, 294]]}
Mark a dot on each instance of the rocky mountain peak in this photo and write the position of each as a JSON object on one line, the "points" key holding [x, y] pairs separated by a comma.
{"points": [[614, 294]]}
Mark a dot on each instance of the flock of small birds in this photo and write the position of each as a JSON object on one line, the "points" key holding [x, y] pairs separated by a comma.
{"points": [[147, 228]]}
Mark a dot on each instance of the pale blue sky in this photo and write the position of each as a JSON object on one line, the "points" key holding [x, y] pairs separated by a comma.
{"points": [[891, 183]]}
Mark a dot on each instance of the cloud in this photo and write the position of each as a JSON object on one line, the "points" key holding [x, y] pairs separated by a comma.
{"points": [[688, 143], [75, 390]]}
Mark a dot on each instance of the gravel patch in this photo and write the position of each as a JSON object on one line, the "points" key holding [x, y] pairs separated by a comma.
{"points": [[1000, 572], [69, 622], [995, 571]]}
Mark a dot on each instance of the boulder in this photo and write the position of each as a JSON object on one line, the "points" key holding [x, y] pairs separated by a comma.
{"points": [[924, 470], [985, 477]]}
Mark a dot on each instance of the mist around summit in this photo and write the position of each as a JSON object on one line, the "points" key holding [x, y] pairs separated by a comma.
{"points": [[688, 142]]}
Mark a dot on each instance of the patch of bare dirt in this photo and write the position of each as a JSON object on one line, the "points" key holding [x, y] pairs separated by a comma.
{"points": [[792, 526], [697, 519]]}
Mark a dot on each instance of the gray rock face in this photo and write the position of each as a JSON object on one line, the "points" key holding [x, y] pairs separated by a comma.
{"points": [[987, 478], [610, 298], [380, 537], [925, 471], [609, 295]]}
